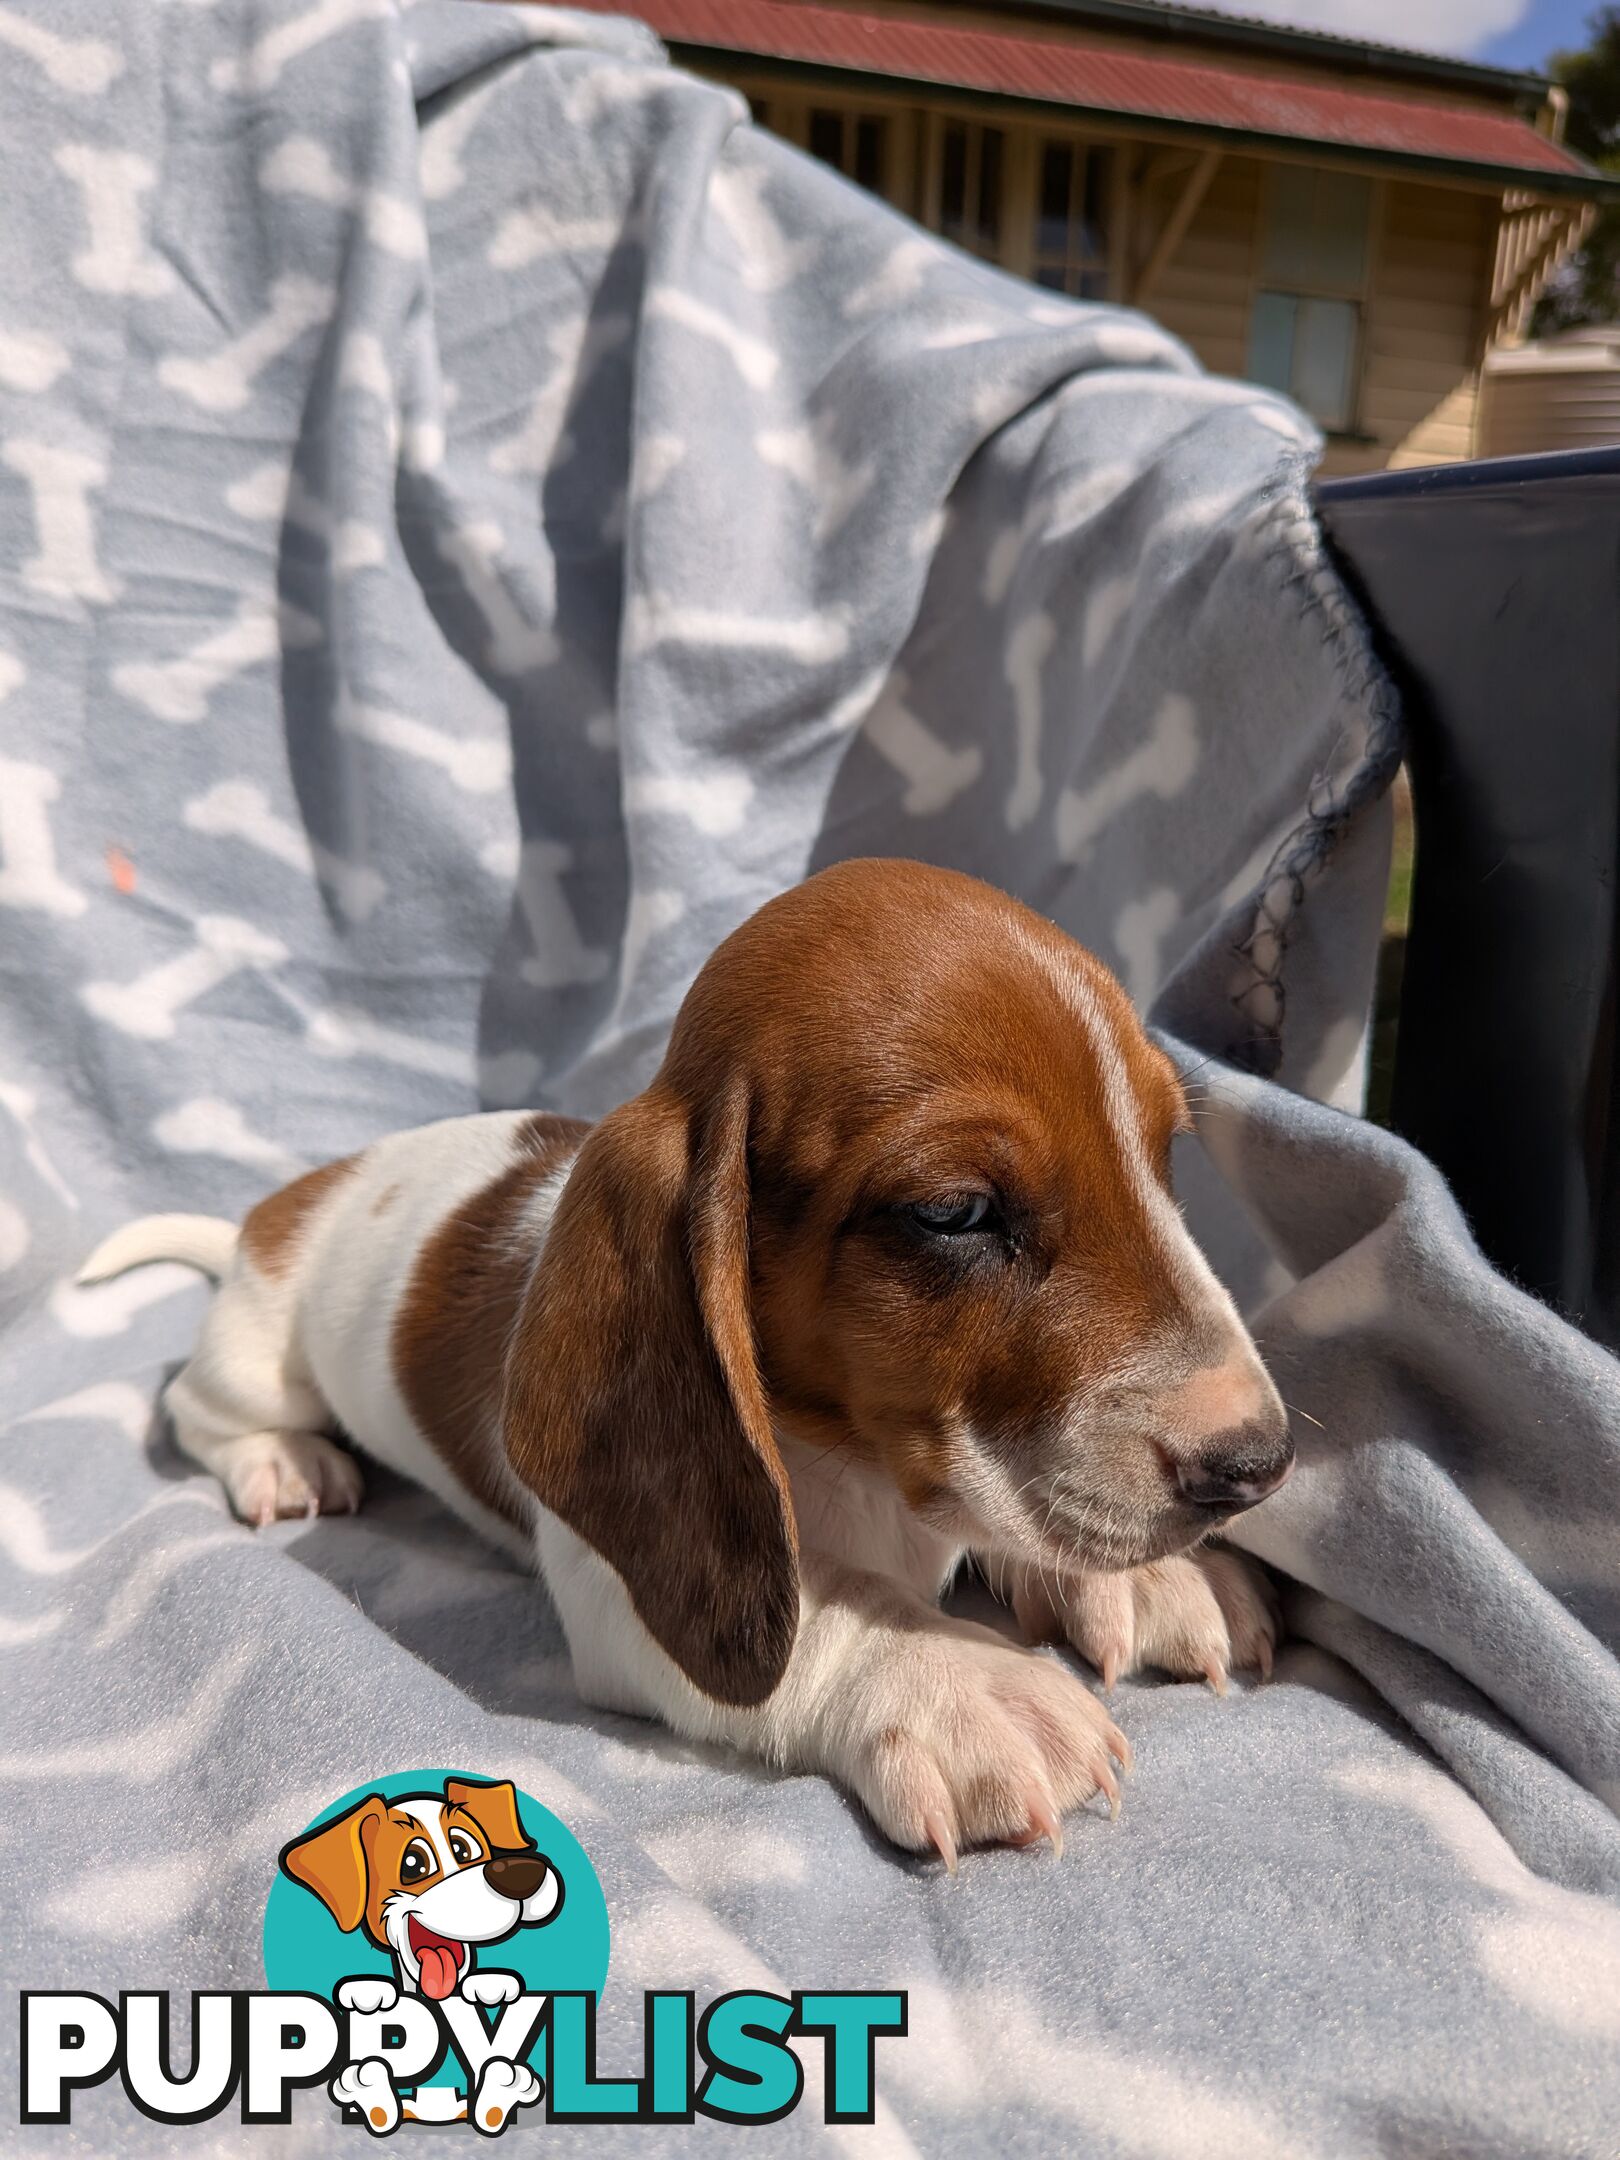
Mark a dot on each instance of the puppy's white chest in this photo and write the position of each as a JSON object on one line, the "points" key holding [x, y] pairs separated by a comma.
{"points": [[858, 1518]]}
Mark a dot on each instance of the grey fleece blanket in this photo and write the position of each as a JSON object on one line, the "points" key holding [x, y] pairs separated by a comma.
{"points": [[476, 517]]}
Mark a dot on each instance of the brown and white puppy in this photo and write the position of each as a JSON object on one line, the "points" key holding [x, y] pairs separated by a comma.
{"points": [[881, 1270]]}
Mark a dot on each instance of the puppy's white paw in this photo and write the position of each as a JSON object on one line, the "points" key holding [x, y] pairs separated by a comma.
{"points": [[502, 2086], [490, 1988], [953, 1736], [1198, 1616], [271, 1474], [367, 1995], [367, 2086]]}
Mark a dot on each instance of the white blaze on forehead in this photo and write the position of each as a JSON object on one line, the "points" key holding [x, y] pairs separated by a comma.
{"points": [[1126, 1124]]}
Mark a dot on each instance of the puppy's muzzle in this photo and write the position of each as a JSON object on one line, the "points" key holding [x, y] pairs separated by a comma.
{"points": [[1238, 1469], [514, 1875]]}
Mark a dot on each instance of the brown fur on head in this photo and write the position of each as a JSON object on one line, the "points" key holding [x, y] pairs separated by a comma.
{"points": [[900, 1188]]}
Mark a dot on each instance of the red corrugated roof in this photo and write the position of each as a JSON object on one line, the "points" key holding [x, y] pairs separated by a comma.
{"points": [[1068, 70]]}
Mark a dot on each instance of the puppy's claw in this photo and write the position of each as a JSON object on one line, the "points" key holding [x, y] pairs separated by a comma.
{"points": [[312, 1507], [1264, 1658], [1215, 1674], [1108, 1786], [1110, 1670], [1045, 1822], [937, 1832]]}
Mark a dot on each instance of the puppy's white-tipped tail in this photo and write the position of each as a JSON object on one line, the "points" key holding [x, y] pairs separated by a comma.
{"points": [[200, 1241]]}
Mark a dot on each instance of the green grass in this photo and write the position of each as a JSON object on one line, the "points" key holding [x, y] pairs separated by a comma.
{"points": [[1398, 902], [1391, 957]]}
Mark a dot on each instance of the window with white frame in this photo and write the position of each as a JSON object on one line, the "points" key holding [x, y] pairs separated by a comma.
{"points": [[1305, 333], [1070, 252]]}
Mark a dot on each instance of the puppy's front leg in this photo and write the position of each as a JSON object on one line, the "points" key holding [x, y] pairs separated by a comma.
{"points": [[1199, 1615], [949, 1734]]}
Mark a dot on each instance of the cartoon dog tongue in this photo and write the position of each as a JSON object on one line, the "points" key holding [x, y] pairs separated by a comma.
{"points": [[439, 1960]]}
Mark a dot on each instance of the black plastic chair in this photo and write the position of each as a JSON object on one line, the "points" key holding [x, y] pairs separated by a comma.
{"points": [[1493, 590]]}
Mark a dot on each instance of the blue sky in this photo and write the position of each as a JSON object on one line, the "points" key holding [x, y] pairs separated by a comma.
{"points": [[1546, 25], [1511, 33]]}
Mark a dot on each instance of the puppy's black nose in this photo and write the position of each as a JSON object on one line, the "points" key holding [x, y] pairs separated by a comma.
{"points": [[515, 1875], [1238, 1469]]}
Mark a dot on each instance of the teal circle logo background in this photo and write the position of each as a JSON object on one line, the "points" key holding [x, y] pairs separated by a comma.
{"points": [[305, 1949]]}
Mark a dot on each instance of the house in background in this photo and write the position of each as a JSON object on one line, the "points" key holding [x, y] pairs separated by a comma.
{"points": [[1354, 225]]}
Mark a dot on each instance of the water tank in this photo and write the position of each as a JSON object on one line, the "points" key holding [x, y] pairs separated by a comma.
{"points": [[1559, 393]]}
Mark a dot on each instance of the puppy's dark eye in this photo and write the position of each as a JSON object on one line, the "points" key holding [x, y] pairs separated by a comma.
{"points": [[463, 1849], [417, 1862], [953, 1214]]}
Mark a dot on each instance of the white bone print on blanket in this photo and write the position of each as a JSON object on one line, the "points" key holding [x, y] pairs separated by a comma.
{"points": [[440, 169], [239, 810], [339, 1031], [204, 1125], [61, 483], [303, 166], [113, 185], [766, 258], [516, 644], [1161, 766], [560, 955], [260, 68], [834, 484], [541, 441], [274, 492], [30, 360], [481, 765], [180, 690], [84, 67], [1029, 646], [754, 361], [935, 773], [223, 381], [151, 1005], [29, 877]]}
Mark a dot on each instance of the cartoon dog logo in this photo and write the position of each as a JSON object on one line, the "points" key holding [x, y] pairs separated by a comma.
{"points": [[432, 1878]]}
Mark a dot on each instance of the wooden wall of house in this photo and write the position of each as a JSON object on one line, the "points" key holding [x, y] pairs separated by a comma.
{"points": [[1426, 324], [1424, 320], [1205, 293]]}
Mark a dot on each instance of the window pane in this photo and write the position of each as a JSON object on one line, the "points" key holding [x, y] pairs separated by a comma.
{"points": [[869, 135], [953, 181], [1324, 353], [827, 137], [1057, 182], [1092, 205], [990, 187], [1271, 341]]}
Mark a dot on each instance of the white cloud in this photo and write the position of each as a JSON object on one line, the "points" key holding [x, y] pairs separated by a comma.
{"points": [[1458, 27]]}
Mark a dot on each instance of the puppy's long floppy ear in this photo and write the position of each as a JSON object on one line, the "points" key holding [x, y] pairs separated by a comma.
{"points": [[633, 1405], [332, 1861], [494, 1809]]}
